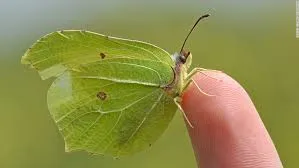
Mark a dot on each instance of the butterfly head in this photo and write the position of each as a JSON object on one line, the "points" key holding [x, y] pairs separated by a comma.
{"points": [[184, 57]]}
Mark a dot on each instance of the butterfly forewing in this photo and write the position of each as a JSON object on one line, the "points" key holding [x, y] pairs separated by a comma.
{"points": [[66, 50]]}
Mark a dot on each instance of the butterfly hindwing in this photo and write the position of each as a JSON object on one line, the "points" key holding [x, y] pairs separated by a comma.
{"points": [[125, 119]]}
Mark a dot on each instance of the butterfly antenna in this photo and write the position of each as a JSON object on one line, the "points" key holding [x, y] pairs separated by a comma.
{"points": [[199, 19]]}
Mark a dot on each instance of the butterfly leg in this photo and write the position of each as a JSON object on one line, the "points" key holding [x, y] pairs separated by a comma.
{"points": [[200, 90], [189, 79], [177, 101], [200, 70]]}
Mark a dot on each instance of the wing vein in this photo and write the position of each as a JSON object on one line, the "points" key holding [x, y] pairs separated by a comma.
{"points": [[76, 118], [136, 65], [119, 80], [141, 123], [107, 147], [139, 48]]}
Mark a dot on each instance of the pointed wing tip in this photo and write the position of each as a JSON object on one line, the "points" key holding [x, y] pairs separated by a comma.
{"points": [[24, 59], [27, 63], [91, 153], [69, 149]]}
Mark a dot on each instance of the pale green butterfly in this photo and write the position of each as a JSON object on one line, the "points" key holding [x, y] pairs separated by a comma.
{"points": [[111, 96]]}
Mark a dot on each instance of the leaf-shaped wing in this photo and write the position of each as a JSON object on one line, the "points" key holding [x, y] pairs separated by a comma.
{"points": [[106, 117], [108, 97], [65, 50]]}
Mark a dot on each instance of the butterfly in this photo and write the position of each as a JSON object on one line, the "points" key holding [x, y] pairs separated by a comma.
{"points": [[110, 95]]}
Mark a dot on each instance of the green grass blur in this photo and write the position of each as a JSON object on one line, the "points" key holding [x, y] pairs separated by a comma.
{"points": [[255, 43]]}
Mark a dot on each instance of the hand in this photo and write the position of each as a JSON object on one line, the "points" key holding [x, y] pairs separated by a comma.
{"points": [[228, 132]]}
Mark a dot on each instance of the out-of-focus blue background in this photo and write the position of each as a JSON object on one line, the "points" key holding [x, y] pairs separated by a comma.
{"points": [[253, 41]]}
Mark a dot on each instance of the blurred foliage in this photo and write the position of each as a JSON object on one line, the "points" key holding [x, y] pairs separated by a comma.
{"points": [[255, 43]]}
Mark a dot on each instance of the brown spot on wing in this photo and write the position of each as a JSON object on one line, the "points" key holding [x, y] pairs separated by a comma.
{"points": [[102, 95], [102, 55]]}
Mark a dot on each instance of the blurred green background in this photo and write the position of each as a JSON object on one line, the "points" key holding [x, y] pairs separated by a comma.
{"points": [[253, 41]]}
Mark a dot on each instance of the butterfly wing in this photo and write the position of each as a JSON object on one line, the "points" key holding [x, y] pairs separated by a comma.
{"points": [[66, 50], [107, 97]]}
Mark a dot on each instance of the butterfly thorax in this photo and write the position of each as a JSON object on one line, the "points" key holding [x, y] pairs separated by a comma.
{"points": [[182, 62]]}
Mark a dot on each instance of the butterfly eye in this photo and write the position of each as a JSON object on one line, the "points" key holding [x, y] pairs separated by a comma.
{"points": [[182, 58]]}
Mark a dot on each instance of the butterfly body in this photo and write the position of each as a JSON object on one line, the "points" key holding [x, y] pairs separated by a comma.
{"points": [[110, 95]]}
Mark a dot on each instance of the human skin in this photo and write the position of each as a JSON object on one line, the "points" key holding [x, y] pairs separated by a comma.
{"points": [[227, 130]]}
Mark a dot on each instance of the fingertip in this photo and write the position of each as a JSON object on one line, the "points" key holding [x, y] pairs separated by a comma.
{"points": [[227, 128]]}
